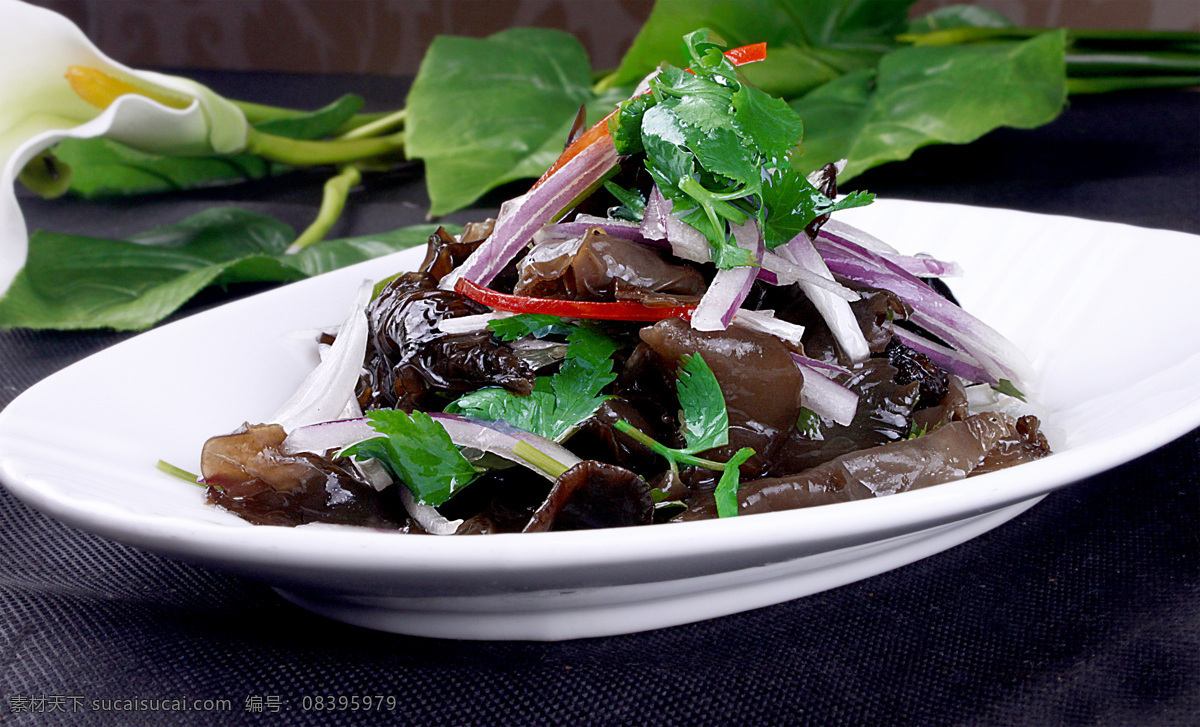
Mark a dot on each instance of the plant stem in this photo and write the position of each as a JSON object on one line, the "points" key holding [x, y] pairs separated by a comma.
{"points": [[333, 201], [381, 124], [958, 36], [303, 153], [671, 455], [539, 459], [1130, 64], [1106, 84], [258, 113], [177, 472]]}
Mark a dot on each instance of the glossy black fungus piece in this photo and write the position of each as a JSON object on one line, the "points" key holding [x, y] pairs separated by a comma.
{"points": [[949, 453], [912, 366], [594, 495], [884, 414], [246, 473], [1025, 444], [759, 381], [445, 252], [412, 364], [597, 267]]}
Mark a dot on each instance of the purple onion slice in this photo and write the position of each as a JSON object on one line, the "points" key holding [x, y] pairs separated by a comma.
{"points": [[522, 216], [996, 355], [730, 287], [823, 395]]}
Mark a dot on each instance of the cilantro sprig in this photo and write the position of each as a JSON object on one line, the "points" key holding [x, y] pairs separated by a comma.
{"points": [[721, 151], [704, 422], [417, 451], [559, 402]]}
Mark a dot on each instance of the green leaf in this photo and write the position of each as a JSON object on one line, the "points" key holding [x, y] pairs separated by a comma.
{"points": [[71, 282], [318, 124], [768, 122], [792, 203], [1008, 388], [102, 168], [538, 325], [704, 418], [559, 402], [810, 42], [929, 95], [727, 487], [483, 112], [417, 451]]}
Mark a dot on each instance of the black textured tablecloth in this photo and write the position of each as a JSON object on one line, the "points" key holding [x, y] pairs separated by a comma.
{"points": [[1085, 610]]}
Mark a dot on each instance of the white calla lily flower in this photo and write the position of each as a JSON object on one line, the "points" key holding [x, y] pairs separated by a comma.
{"points": [[39, 107]]}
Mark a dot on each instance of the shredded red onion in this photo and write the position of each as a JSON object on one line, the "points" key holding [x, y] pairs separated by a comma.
{"points": [[730, 287], [765, 321], [850, 233], [924, 266], [823, 395], [521, 217], [997, 356], [956, 362], [833, 309], [328, 388], [496, 437]]}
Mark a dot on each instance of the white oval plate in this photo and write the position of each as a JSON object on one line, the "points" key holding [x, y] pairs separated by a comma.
{"points": [[1118, 374]]}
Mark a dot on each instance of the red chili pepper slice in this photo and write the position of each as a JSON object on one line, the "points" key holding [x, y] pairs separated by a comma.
{"points": [[619, 311], [737, 56], [747, 54]]}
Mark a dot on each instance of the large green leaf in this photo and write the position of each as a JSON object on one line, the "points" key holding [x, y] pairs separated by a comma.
{"points": [[71, 282], [483, 112], [809, 42], [931, 95], [104, 168]]}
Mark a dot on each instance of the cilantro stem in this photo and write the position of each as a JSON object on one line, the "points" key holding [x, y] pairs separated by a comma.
{"points": [[177, 472], [539, 459], [333, 201], [672, 455]]}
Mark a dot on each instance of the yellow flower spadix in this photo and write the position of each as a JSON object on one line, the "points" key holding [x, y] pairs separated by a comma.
{"points": [[100, 89]]}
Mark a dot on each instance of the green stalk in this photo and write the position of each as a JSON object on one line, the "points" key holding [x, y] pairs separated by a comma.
{"points": [[333, 201], [258, 113], [1076, 86], [672, 455], [177, 472], [387, 122], [959, 36], [303, 153], [1133, 63], [539, 459]]}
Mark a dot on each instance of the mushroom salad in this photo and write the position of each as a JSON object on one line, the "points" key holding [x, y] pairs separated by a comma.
{"points": [[668, 326]]}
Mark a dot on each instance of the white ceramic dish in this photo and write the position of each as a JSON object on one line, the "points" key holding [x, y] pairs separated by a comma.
{"points": [[1118, 372]]}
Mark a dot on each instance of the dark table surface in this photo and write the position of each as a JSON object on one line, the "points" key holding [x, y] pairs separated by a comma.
{"points": [[1084, 610]]}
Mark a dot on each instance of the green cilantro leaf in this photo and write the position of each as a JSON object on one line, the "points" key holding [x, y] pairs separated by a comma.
{"points": [[538, 325], [705, 425], [721, 152], [1007, 387], [417, 451], [705, 419], [560, 402], [809, 424], [727, 486], [632, 207]]}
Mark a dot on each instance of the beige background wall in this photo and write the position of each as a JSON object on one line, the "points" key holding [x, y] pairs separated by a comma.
{"points": [[389, 36]]}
